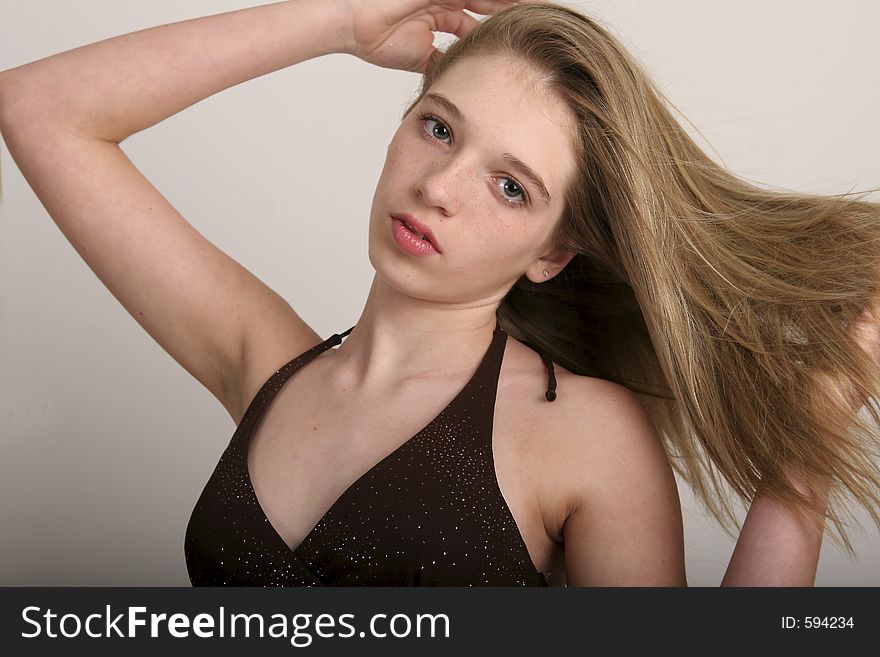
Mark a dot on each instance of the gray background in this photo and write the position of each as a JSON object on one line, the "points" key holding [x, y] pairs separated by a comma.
{"points": [[106, 442]]}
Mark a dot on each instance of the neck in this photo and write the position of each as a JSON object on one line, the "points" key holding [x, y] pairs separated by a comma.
{"points": [[401, 337]]}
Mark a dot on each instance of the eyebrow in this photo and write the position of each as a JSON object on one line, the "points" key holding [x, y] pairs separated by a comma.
{"points": [[512, 160]]}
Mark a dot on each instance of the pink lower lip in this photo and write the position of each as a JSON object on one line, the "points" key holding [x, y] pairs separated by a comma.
{"points": [[409, 241]]}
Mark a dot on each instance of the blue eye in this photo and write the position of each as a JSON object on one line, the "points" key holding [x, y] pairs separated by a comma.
{"points": [[428, 118], [517, 190]]}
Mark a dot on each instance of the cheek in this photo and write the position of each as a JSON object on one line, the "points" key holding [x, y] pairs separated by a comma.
{"points": [[497, 250], [396, 157]]}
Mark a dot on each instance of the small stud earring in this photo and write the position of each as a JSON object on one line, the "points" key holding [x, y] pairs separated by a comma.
{"points": [[546, 273]]}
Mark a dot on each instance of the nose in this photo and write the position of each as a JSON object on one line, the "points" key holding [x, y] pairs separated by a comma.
{"points": [[442, 184]]}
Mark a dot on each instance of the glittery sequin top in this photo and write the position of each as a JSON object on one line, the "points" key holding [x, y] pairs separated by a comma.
{"points": [[428, 514]]}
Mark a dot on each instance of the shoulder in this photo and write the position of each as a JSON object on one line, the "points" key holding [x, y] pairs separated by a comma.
{"points": [[590, 418], [625, 526], [612, 485], [607, 436]]}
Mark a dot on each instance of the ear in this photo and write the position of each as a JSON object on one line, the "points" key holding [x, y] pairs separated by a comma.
{"points": [[553, 262]]}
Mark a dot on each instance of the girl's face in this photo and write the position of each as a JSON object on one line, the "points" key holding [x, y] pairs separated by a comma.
{"points": [[483, 160]]}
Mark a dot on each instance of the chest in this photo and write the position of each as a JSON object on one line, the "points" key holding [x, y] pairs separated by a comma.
{"points": [[314, 445]]}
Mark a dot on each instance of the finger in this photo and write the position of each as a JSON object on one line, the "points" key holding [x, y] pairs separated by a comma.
{"points": [[457, 23], [866, 331], [488, 6], [435, 54]]}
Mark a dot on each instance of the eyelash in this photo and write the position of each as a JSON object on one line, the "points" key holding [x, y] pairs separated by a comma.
{"points": [[517, 206]]}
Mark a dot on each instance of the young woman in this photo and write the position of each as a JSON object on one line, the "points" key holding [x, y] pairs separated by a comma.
{"points": [[570, 300]]}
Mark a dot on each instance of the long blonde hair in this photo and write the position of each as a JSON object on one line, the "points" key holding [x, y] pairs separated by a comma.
{"points": [[724, 306]]}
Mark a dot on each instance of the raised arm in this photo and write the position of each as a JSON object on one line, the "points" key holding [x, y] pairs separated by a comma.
{"points": [[63, 117]]}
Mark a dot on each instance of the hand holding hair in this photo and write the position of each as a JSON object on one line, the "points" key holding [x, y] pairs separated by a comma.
{"points": [[777, 545], [400, 33]]}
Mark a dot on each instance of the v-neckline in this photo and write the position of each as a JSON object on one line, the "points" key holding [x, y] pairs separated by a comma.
{"points": [[498, 335]]}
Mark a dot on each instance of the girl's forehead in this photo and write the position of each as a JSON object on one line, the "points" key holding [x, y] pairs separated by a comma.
{"points": [[498, 70], [505, 86]]}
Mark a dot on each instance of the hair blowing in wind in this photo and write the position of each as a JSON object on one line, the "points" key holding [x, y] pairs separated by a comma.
{"points": [[734, 311]]}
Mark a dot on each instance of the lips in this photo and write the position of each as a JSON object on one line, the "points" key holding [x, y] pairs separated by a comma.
{"points": [[417, 227]]}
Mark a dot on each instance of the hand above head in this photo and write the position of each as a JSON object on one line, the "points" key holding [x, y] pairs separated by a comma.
{"points": [[400, 33]]}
